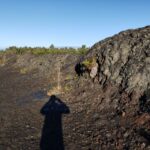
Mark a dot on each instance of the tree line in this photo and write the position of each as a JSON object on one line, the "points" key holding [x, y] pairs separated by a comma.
{"points": [[50, 50]]}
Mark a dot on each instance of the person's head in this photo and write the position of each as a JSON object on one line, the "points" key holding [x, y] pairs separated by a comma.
{"points": [[53, 98]]}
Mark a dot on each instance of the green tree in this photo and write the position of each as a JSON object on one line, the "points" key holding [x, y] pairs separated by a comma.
{"points": [[52, 46], [83, 46]]}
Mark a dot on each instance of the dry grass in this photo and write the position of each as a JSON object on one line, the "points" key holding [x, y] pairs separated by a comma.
{"points": [[2, 61], [24, 70], [54, 91]]}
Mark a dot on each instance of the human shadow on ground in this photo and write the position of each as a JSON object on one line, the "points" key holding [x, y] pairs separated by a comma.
{"points": [[52, 134]]}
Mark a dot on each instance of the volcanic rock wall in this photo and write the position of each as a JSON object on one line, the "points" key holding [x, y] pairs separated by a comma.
{"points": [[124, 59]]}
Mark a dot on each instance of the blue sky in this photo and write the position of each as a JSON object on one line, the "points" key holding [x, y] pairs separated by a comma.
{"points": [[68, 22]]}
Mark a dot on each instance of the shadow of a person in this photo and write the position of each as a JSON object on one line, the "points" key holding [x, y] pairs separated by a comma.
{"points": [[52, 136]]}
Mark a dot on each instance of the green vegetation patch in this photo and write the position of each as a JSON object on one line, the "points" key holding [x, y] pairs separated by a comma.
{"points": [[51, 50], [90, 62]]}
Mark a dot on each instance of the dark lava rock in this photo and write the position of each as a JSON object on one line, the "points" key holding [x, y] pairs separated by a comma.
{"points": [[124, 59], [121, 95]]}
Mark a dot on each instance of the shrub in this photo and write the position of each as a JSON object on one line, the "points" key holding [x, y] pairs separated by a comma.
{"points": [[89, 62]]}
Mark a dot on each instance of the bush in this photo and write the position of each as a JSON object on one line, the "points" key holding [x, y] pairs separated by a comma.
{"points": [[89, 62]]}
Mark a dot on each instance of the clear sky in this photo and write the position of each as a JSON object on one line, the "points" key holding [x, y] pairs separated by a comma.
{"points": [[68, 22]]}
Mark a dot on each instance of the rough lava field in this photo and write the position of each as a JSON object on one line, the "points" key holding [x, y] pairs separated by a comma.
{"points": [[111, 113]]}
